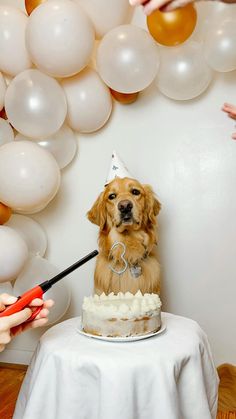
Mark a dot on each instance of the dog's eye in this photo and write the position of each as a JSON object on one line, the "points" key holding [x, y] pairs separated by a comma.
{"points": [[135, 192], [112, 196]]}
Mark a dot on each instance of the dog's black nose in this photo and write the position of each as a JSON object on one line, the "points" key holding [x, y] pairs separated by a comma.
{"points": [[125, 206]]}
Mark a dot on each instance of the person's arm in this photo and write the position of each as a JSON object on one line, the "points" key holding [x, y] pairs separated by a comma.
{"points": [[231, 111], [150, 6], [11, 326]]}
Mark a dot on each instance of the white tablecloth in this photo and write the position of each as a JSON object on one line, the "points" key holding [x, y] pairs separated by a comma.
{"points": [[169, 376]]}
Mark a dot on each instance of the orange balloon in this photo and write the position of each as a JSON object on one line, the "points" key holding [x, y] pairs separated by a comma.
{"points": [[172, 28], [30, 5], [5, 213], [124, 98]]}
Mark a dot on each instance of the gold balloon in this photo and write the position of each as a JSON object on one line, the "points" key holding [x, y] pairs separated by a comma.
{"points": [[5, 213], [124, 98], [30, 5], [172, 28]]}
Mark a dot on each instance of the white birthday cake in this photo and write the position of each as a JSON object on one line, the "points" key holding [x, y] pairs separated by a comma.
{"points": [[121, 315]]}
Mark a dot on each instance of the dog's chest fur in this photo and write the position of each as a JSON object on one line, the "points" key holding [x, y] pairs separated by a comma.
{"points": [[136, 246], [141, 259]]}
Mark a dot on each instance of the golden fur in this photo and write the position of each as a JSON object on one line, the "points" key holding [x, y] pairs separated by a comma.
{"points": [[135, 228]]}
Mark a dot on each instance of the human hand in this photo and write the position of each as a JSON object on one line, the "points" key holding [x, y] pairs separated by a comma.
{"points": [[150, 6], [231, 112], [14, 324]]}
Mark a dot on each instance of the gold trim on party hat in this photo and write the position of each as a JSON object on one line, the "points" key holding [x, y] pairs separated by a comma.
{"points": [[117, 169]]}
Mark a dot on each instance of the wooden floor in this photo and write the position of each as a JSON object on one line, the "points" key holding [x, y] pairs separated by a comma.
{"points": [[11, 377], [227, 392]]}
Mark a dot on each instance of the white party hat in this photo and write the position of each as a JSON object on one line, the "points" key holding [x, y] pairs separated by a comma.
{"points": [[117, 169]]}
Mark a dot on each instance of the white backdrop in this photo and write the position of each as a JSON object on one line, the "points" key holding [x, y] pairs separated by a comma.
{"points": [[184, 150]]}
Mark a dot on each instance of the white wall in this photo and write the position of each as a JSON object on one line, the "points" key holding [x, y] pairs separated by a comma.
{"points": [[185, 152]]}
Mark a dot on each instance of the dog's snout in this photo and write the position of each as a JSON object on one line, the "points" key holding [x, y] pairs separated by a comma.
{"points": [[125, 206]]}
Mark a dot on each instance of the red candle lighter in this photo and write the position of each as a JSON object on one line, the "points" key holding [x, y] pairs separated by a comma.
{"points": [[38, 291]]}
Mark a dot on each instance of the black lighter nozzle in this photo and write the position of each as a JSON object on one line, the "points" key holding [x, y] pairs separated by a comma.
{"points": [[48, 284]]}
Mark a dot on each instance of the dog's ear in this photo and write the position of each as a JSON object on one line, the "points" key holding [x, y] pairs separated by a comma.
{"points": [[152, 205], [98, 214]]}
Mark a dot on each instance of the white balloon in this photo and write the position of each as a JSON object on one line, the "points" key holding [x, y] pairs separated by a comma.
{"points": [[6, 132], [183, 72], [20, 4], [29, 176], [13, 254], [14, 56], [31, 232], [38, 270], [3, 88], [60, 38], [221, 11], [6, 287], [62, 145], [92, 63], [211, 13], [8, 79], [220, 46], [89, 101], [127, 59], [35, 104], [106, 15]]}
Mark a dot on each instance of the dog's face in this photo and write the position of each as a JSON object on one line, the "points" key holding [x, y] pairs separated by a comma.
{"points": [[125, 204]]}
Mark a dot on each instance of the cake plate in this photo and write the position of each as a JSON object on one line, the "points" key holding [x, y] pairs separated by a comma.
{"points": [[120, 339]]}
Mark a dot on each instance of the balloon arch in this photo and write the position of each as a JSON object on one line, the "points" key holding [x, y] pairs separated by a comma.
{"points": [[61, 64]]}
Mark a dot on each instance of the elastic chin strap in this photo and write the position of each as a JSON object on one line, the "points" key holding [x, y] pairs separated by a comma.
{"points": [[121, 271]]}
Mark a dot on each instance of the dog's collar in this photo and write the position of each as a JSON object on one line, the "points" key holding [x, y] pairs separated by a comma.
{"points": [[135, 269]]}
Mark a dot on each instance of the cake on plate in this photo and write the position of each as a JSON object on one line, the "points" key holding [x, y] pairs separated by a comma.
{"points": [[121, 315]]}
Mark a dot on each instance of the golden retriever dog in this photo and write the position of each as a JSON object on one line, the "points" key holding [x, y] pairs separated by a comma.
{"points": [[126, 213]]}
